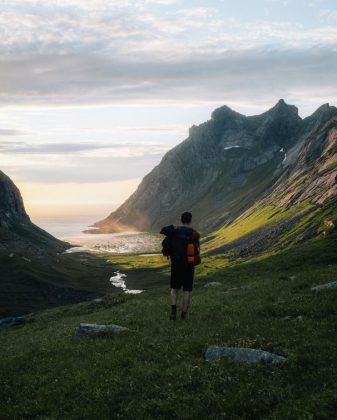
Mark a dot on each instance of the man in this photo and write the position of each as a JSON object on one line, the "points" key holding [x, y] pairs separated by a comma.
{"points": [[182, 271]]}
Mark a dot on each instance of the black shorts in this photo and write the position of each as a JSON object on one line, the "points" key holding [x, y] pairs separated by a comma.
{"points": [[182, 276]]}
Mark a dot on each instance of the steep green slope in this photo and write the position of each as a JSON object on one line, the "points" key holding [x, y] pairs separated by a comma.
{"points": [[157, 370], [300, 205]]}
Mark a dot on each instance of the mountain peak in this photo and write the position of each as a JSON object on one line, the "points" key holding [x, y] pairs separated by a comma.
{"points": [[282, 107], [11, 203], [324, 109], [224, 112], [320, 116], [281, 102]]}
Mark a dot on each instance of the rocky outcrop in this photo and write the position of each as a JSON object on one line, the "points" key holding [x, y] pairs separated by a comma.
{"points": [[326, 286], [12, 321], [223, 166], [245, 355], [11, 204], [212, 284], [96, 329], [17, 232], [312, 169]]}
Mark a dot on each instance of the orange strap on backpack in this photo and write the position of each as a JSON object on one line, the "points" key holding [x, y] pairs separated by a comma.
{"points": [[193, 256]]}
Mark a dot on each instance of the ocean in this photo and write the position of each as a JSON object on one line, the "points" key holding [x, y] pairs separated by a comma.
{"points": [[70, 229]]}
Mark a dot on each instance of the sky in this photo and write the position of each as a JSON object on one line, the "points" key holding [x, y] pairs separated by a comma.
{"points": [[93, 93]]}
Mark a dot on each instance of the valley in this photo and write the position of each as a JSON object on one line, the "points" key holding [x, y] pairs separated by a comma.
{"points": [[267, 211]]}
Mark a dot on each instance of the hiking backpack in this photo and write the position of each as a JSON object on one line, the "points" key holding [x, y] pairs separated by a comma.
{"points": [[181, 244]]}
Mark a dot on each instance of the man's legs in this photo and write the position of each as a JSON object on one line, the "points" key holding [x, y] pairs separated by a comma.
{"points": [[174, 296], [186, 302], [174, 299]]}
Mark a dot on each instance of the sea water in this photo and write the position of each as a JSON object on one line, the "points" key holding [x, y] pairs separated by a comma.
{"points": [[70, 229]]}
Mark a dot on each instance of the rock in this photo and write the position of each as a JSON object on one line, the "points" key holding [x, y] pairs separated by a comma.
{"points": [[233, 289], [212, 284], [12, 321], [11, 203], [96, 329], [96, 301], [331, 285], [243, 355]]}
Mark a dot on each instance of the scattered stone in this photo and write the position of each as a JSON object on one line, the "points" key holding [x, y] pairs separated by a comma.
{"points": [[299, 318], [96, 329], [12, 321], [286, 318], [233, 289], [212, 284], [96, 301], [292, 277], [11, 255], [243, 355], [331, 285]]}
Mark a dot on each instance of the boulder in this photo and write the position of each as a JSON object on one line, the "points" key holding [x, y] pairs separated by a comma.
{"points": [[96, 329], [243, 355], [96, 301], [12, 321], [331, 285], [233, 289], [212, 284]]}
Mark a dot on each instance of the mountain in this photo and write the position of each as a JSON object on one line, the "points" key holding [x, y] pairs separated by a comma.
{"points": [[228, 164], [17, 232], [302, 204], [11, 204], [35, 272]]}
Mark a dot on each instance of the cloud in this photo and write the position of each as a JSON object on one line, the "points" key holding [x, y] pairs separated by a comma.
{"points": [[155, 129], [79, 52], [11, 132], [328, 15], [82, 170], [78, 148], [255, 73]]}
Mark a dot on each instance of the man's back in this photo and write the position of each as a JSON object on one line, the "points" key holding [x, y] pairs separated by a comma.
{"points": [[182, 236]]}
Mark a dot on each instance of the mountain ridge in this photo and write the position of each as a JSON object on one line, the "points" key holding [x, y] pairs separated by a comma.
{"points": [[223, 167]]}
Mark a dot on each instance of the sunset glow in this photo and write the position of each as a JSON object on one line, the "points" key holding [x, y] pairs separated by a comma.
{"points": [[93, 94]]}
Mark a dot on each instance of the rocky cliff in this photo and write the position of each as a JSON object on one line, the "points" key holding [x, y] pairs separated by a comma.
{"points": [[312, 168], [17, 232], [225, 165], [35, 273], [11, 205]]}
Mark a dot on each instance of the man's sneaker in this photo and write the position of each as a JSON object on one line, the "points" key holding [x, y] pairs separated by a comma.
{"points": [[173, 316], [183, 315]]}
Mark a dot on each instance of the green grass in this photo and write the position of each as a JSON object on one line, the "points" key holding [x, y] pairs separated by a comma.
{"points": [[157, 370], [250, 221]]}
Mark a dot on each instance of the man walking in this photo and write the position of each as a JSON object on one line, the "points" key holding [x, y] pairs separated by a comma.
{"points": [[182, 246]]}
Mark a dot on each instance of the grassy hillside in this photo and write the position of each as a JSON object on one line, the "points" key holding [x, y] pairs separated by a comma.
{"points": [[157, 370], [31, 282], [267, 228]]}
